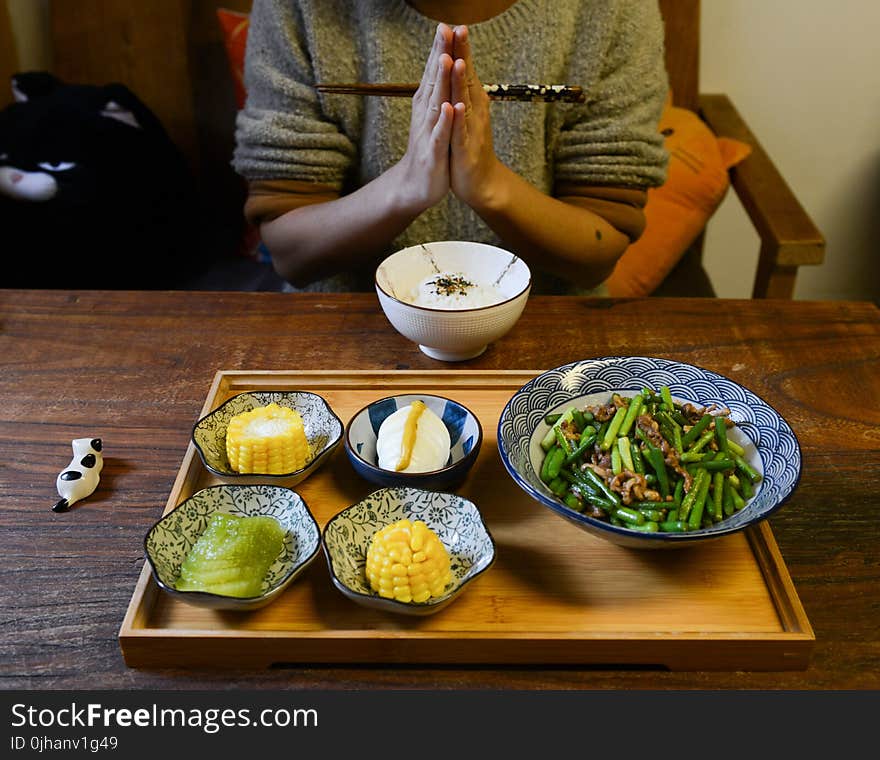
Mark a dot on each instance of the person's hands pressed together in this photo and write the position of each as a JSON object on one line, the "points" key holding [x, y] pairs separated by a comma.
{"points": [[473, 162], [425, 164]]}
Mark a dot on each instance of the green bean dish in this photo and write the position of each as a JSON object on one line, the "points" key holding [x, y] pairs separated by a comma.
{"points": [[648, 463]]}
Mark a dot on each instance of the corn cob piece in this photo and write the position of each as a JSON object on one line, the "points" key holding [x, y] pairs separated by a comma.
{"points": [[267, 440], [407, 561]]}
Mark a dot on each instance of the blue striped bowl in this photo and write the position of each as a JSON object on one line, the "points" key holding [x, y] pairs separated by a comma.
{"points": [[771, 445], [465, 434]]}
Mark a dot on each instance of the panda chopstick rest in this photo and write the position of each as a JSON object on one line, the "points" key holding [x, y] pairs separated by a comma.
{"points": [[81, 476]]}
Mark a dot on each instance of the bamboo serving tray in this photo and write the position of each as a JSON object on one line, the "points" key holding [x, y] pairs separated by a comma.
{"points": [[555, 595]]}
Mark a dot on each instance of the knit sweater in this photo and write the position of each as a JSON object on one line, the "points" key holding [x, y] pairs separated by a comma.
{"points": [[611, 48]]}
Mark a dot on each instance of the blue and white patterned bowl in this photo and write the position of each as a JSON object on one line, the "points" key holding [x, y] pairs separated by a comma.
{"points": [[456, 521], [323, 433], [770, 444], [169, 541], [465, 435]]}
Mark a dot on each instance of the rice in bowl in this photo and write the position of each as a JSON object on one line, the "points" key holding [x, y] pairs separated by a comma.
{"points": [[454, 290]]}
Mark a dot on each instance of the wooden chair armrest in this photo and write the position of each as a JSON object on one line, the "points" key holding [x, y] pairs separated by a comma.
{"points": [[789, 238]]}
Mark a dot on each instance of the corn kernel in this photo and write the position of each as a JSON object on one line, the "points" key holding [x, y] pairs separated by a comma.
{"points": [[268, 440], [407, 561]]}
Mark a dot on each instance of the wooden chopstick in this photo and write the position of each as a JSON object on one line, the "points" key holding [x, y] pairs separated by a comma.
{"points": [[512, 92]]}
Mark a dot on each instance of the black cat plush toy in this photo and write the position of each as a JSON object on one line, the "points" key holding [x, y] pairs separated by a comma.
{"points": [[93, 193]]}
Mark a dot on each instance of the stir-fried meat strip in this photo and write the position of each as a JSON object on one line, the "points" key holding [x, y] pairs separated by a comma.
{"points": [[570, 432], [692, 413], [605, 412], [633, 486], [648, 425], [602, 462]]}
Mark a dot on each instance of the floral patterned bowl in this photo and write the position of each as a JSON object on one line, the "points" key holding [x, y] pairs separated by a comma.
{"points": [[169, 541], [455, 520], [323, 432], [770, 444]]}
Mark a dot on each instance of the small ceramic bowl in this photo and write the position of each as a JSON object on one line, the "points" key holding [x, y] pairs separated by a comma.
{"points": [[770, 445], [169, 541], [455, 520], [465, 435], [323, 432], [453, 334]]}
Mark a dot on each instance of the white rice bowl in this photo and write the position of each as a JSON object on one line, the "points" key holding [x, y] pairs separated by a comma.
{"points": [[452, 325]]}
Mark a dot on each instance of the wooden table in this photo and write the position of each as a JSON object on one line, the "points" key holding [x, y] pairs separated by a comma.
{"points": [[134, 367]]}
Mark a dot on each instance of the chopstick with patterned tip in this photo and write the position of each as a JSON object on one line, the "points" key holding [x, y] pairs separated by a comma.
{"points": [[541, 93]]}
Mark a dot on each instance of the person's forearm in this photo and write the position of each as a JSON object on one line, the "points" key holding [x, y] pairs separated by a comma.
{"points": [[571, 242], [321, 239]]}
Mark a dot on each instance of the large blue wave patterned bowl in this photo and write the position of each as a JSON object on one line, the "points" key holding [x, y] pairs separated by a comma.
{"points": [[770, 444], [465, 437]]}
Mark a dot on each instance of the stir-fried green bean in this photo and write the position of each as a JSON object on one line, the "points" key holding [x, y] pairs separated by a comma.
{"points": [[647, 463]]}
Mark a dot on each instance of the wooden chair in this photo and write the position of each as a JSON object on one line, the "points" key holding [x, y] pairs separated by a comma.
{"points": [[170, 52]]}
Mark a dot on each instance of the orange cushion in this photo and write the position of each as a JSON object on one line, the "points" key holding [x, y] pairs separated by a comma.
{"points": [[235, 29], [677, 211], [235, 25]]}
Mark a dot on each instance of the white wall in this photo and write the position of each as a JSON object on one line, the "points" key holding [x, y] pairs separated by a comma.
{"points": [[805, 74]]}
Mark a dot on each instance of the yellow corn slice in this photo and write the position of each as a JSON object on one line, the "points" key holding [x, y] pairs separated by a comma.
{"points": [[408, 562], [267, 440]]}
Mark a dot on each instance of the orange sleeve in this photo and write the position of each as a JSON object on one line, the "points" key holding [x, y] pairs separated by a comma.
{"points": [[622, 207], [270, 198]]}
